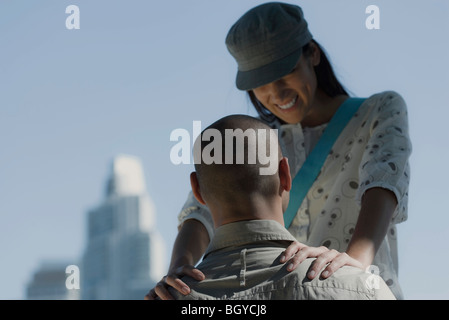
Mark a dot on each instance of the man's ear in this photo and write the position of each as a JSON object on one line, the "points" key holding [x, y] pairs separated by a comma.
{"points": [[284, 174], [196, 188]]}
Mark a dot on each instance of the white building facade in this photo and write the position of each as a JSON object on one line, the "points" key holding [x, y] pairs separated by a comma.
{"points": [[124, 254]]}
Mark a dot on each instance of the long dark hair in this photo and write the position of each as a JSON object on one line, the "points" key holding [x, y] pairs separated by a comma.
{"points": [[326, 81]]}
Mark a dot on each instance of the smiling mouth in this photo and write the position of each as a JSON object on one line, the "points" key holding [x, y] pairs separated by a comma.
{"points": [[289, 105]]}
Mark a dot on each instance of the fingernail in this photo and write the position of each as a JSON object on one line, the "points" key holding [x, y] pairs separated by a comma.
{"points": [[185, 290], [283, 259], [312, 273], [290, 267], [325, 274]]}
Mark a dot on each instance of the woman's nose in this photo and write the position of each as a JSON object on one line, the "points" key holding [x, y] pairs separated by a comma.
{"points": [[277, 91]]}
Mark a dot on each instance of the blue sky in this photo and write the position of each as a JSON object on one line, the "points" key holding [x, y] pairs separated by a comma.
{"points": [[71, 100]]}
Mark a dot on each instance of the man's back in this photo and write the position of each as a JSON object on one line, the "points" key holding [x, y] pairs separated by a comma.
{"points": [[242, 262]]}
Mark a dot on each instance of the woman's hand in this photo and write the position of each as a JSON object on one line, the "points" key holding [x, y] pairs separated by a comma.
{"points": [[334, 261], [298, 252], [190, 244], [160, 291]]}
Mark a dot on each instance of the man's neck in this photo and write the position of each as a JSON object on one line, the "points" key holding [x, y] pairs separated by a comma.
{"points": [[250, 208]]}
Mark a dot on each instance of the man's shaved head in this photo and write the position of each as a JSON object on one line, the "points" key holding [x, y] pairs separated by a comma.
{"points": [[235, 158]]}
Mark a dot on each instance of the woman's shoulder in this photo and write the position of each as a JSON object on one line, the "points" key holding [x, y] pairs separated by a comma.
{"points": [[384, 103], [386, 97]]}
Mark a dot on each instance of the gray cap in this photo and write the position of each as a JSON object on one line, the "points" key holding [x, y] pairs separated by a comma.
{"points": [[267, 43]]}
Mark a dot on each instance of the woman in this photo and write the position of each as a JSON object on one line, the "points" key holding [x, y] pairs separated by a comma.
{"points": [[362, 189]]}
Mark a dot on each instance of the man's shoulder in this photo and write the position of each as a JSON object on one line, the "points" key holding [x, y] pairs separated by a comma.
{"points": [[347, 283]]}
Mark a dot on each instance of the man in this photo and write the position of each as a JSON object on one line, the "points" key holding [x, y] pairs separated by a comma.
{"points": [[247, 205]]}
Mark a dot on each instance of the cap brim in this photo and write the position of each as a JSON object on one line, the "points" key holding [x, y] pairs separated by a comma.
{"points": [[247, 80]]}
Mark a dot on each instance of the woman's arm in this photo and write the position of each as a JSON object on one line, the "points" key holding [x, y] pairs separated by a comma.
{"points": [[378, 206], [190, 244]]}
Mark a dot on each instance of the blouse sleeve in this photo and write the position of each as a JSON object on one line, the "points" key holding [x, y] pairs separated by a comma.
{"points": [[385, 160], [192, 209]]}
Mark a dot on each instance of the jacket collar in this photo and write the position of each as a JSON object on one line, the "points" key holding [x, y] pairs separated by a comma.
{"points": [[248, 231]]}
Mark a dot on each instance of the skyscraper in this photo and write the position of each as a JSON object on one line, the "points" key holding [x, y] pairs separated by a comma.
{"points": [[123, 257]]}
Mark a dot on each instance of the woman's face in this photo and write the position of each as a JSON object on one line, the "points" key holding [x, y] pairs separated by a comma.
{"points": [[290, 98]]}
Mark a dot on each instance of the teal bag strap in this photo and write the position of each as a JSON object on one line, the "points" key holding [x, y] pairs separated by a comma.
{"points": [[311, 168]]}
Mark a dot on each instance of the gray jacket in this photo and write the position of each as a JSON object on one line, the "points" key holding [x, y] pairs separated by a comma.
{"points": [[242, 262]]}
